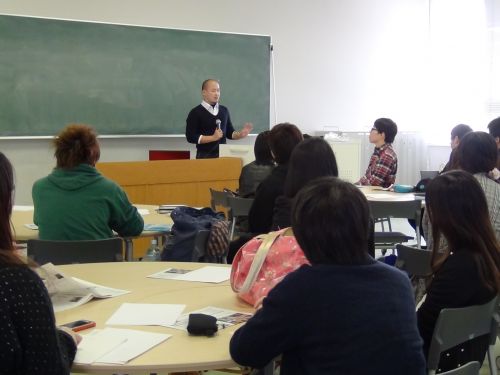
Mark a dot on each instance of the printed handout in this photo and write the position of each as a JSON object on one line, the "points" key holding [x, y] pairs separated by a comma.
{"points": [[67, 292], [117, 346], [225, 317], [207, 274]]}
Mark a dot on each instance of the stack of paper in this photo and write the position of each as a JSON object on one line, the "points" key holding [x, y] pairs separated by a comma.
{"points": [[117, 346], [207, 274]]}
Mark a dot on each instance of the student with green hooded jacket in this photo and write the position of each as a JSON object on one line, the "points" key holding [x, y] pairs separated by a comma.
{"points": [[75, 202]]}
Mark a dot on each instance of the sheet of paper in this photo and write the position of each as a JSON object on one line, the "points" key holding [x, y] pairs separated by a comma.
{"points": [[137, 343], [143, 211], [169, 274], [143, 314], [97, 344], [100, 291], [66, 301], [207, 274], [225, 317], [390, 197], [23, 208], [67, 292], [31, 226]]}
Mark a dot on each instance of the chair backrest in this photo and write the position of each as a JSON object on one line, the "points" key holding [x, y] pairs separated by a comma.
{"points": [[455, 326], [471, 368], [239, 206], [67, 252], [414, 261], [200, 244], [398, 209], [428, 174], [218, 198]]}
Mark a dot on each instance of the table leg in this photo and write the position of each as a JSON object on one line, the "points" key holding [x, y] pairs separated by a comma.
{"points": [[129, 249]]}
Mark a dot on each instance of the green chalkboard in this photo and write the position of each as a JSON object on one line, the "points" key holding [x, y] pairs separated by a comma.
{"points": [[124, 80]]}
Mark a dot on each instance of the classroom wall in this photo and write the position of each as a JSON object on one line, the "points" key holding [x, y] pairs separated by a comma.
{"points": [[337, 63]]}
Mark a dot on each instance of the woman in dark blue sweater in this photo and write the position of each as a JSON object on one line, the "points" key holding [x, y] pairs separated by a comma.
{"points": [[343, 314]]}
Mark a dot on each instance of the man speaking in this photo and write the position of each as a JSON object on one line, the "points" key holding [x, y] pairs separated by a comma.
{"points": [[209, 123]]}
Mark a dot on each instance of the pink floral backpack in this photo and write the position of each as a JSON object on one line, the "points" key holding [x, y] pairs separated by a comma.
{"points": [[263, 262]]}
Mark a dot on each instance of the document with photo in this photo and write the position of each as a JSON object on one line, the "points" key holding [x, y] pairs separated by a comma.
{"points": [[207, 274], [67, 292], [169, 274], [225, 318]]}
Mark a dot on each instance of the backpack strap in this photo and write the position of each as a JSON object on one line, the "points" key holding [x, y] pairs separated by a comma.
{"points": [[258, 260]]}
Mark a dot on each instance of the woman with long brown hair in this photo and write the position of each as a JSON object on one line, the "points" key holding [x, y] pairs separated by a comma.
{"points": [[30, 343], [467, 271]]}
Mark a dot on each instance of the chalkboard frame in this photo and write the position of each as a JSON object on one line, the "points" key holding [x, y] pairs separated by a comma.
{"points": [[236, 89]]}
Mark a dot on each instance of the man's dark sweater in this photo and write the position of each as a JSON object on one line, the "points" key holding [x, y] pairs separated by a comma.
{"points": [[202, 122]]}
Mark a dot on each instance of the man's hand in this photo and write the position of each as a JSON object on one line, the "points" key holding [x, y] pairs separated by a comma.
{"points": [[247, 128], [217, 134]]}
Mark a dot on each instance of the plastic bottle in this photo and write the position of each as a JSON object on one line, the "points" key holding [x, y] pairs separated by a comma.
{"points": [[153, 253]]}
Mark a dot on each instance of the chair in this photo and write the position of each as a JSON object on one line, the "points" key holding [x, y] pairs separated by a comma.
{"points": [[414, 261], [455, 326], [67, 252], [471, 368], [218, 198], [239, 208], [395, 209], [200, 247]]}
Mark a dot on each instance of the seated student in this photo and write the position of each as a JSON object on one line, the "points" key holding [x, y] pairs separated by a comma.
{"points": [[466, 271], [30, 343], [282, 140], [255, 172], [345, 313], [75, 202], [383, 164], [301, 171], [477, 155], [457, 134], [494, 129]]}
